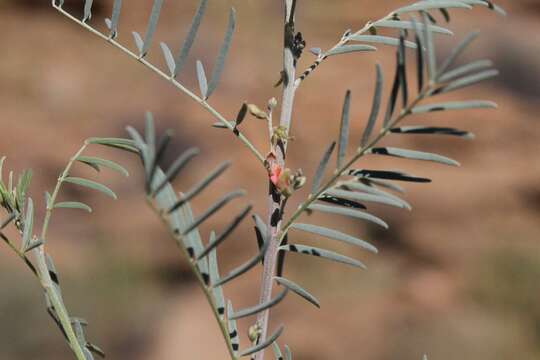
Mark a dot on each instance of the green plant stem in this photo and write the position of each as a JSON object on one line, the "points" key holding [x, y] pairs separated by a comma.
{"points": [[323, 56], [63, 317], [43, 271], [169, 79], [206, 290], [360, 153], [56, 191]]}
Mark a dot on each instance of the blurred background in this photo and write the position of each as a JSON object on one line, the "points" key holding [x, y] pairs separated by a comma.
{"points": [[458, 277]]}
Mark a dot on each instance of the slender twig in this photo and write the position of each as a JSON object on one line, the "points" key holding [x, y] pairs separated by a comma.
{"points": [[42, 274], [193, 266], [43, 270], [56, 191], [343, 41], [56, 301], [169, 79]]}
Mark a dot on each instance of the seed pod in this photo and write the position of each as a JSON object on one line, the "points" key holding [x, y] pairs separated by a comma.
{"points": [[258, 113]]}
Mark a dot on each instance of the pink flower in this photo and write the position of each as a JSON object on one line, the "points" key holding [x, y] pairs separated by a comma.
{"points": [[275, 173]]}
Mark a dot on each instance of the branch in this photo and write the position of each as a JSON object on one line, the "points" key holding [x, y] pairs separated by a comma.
{"points": [[275, 199], [176, 213], [426, 92], [202, 102], [56, 191], [43, 272], [371, 26], [324, 55]]}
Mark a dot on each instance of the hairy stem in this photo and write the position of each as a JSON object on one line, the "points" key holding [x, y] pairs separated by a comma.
{"points": [[275, 200], [169, 79]]}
